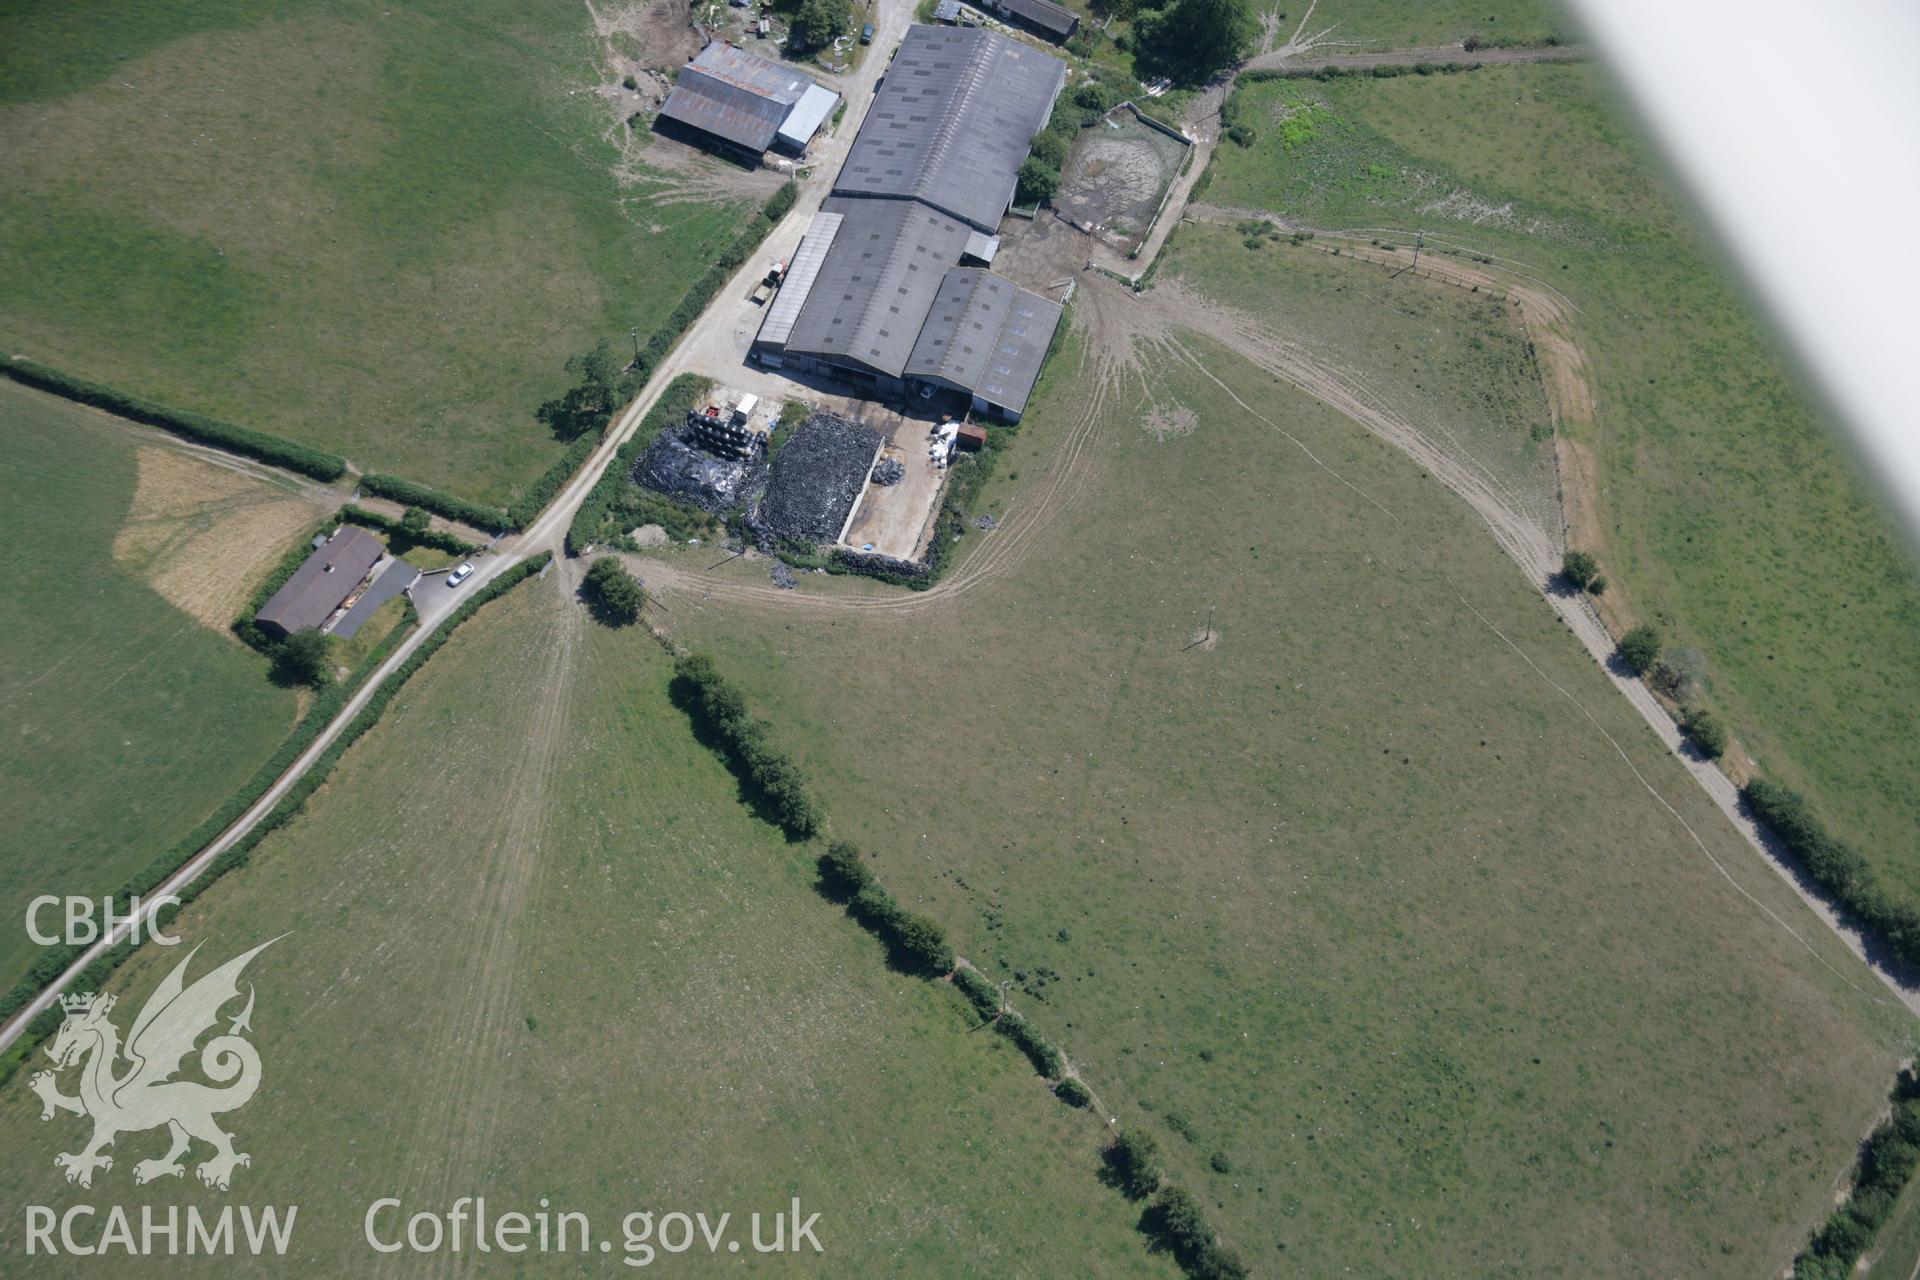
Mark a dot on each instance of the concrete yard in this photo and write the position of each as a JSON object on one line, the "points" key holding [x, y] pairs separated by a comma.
{"points": [[898, 520]]}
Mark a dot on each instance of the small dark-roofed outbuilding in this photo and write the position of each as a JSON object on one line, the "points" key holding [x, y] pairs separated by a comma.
{"points": [[1042, 17], [321, 583]]}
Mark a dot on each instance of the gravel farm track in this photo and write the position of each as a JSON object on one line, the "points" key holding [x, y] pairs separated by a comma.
{"points": [[1122, 327]]}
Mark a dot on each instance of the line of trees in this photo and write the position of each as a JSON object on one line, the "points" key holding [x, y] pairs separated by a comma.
{"points": [[775, 780], [197, 427], [1887, 1162], [1839, 869], [1175, 1220]]}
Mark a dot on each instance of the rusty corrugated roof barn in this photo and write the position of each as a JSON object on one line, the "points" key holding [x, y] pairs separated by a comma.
{"points": [[735, 96]]}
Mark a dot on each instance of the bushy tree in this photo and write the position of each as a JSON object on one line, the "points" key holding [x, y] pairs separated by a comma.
{"points": [[1579, 569], [1134, 1159], [1176, 1219], [1045, 1058], [599, 387], [815, 24], [415, 521], [1706, 731], [615, 595], [1050, 148], [923, 943], [1073, 1093], [305, 657], [844, 870], [1193, 40], [1037, 181], [1640, 648], [980, 993]]}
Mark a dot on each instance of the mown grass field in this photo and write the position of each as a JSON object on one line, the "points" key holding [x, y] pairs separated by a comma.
{"points": [[1456, 363], [375, 229], [1356, 897], [128, 718], [1733, 518], [539, 948]]}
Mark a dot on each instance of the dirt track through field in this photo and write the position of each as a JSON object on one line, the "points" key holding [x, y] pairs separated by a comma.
{"points": [[473, 1017], [1122, 327]]}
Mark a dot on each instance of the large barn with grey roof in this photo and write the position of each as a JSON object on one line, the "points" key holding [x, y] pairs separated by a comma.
{"points": [[888, 288], [952, 121]]}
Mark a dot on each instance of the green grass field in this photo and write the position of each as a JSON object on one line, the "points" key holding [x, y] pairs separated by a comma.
{"points": [[379, 230], [1355, 899], [1406, 24], [128, 720], [1456, 363], [1734, 518], [539, 948]]}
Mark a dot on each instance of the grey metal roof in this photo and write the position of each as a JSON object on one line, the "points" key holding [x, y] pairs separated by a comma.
{"points": [[962, 327], [802, 271], [986, 334], [952, 122], [1041, 15], [815, 105], [877, 282], [732, 94], [322, 581], [395, 578]]}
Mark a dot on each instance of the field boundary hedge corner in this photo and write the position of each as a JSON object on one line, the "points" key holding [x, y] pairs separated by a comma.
{"points": [[413, 494], [196, 427], [328, 705], [915, 943]]}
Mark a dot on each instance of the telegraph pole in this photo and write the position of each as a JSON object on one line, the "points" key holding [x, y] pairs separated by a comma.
{"points": [[1419, 242], [634, 333]]}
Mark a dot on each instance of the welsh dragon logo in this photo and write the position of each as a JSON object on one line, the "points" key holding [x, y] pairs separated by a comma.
{"points": [[145, 1095]]}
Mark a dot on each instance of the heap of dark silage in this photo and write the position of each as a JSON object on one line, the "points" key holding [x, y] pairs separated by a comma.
{"points": [[675, 465], [817, 477]]}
